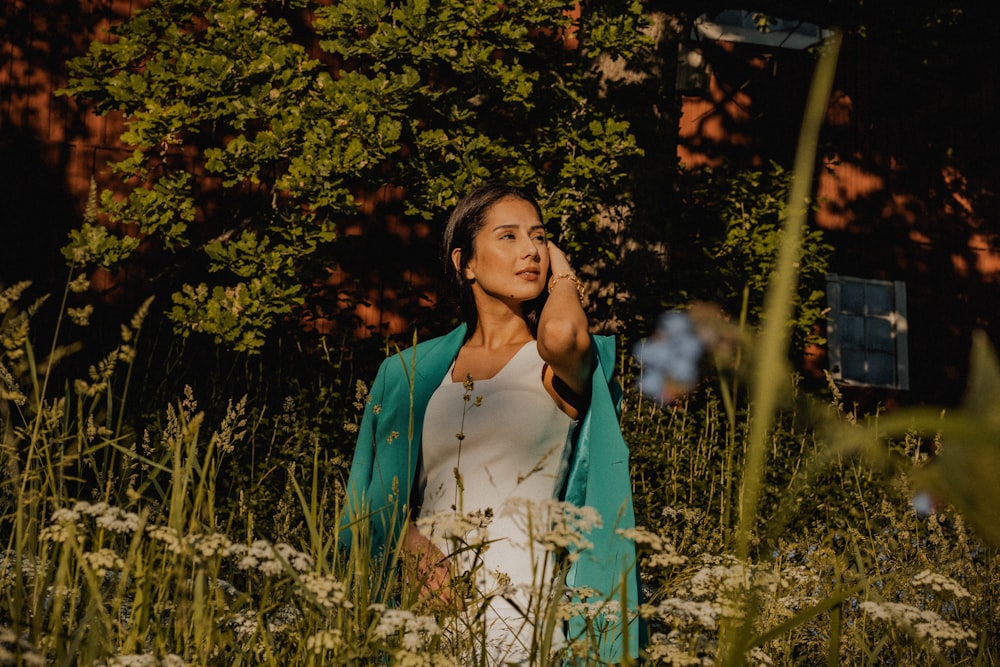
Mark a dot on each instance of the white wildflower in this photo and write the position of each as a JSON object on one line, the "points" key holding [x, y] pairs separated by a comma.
{"points": [[102, 561], [244, 624], [924, 622], [662, 652], [211, 545], [555, 525], [65, 515], [117, 520], [270, 560], [329, 592], [299, 561], [468, 528], [60, 532], [666, 559], [252, 556], [940, 583], [643, 537], [415, 628], [586, 608], [325, 640], [687, 612], [168, 536]]}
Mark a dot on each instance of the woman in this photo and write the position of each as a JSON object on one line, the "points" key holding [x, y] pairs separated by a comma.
{"points": [[543, 424]]}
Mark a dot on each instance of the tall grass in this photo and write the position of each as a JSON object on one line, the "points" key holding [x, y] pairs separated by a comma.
{"points": [[118, 548]]}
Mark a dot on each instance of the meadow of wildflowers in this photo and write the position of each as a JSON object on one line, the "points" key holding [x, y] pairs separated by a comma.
{"points": [[126, 540]]}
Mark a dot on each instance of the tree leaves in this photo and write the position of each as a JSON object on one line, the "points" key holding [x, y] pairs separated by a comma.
{"points": [[252, 138]]}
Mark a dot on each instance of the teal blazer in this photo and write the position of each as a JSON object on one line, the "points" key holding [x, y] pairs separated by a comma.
{"points": [[388, 447]]}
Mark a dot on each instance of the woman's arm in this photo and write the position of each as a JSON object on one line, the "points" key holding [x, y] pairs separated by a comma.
{"points": [[563, 333], [426, 566]]}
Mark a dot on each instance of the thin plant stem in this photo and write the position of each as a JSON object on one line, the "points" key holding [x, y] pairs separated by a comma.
{"points": [[768, 372]]}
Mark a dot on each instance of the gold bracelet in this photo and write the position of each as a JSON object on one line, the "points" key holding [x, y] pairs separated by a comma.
{"points": [[581, 292]]}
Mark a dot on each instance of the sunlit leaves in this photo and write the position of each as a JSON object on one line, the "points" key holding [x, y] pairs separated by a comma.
{"points": [[257, 137]]}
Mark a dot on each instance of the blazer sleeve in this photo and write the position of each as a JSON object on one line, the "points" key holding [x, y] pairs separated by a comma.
{"points": [[599, 477], [356, 502]]}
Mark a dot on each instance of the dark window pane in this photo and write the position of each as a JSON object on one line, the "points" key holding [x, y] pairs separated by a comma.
{"points": [[879, 335], [852, 331], [879, 299], [853, 365], [852, 297], [881, 368]]}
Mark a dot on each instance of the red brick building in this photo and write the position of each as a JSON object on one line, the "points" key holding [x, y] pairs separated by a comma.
{"points": [[911, 211]]}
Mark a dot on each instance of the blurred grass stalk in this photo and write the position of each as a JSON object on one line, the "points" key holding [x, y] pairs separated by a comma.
{"points": [[770, 370]]}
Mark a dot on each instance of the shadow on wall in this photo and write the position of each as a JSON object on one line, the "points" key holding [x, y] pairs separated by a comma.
{"points": [[48, 147], [36, 212]]}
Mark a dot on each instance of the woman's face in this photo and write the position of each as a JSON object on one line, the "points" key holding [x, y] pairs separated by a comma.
{"points": [[510, 260]]}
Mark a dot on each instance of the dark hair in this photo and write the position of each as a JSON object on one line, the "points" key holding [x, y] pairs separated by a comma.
{"points": [[464, 224]]}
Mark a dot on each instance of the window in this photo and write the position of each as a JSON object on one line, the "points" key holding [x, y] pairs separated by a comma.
{"points": [[740, 25], [867, 332]]}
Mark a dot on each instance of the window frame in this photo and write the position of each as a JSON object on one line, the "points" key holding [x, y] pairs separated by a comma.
{"points": [[897, 318]]}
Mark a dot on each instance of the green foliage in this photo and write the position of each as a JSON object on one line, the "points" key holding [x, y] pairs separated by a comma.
{"points": [[733, 222], [256, 128]]}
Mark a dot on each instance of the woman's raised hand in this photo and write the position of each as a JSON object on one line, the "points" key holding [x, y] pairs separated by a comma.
{"points": [[557, 260]]}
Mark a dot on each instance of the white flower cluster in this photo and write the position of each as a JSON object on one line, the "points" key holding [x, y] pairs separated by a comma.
{"points": [[168, 536], [111, 518], [681, 612], [64, 521], [662, 551], [325, 640], [555, 525], [209, 545], [328, 591], [415, 629], [662, 650], [608, 610], [940, 584], [270, 559], [924, 622], [469, 528], [244, 624], [103, 560]]}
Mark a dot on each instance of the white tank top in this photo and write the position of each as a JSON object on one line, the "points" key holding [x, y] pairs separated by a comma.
{"points": [[513, 447]]}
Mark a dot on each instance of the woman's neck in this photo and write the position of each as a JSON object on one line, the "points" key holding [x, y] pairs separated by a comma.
{"points": [[497, 329]]}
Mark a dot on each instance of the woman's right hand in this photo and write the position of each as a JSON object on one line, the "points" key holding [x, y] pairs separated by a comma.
{"points": [[426, 566]]}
